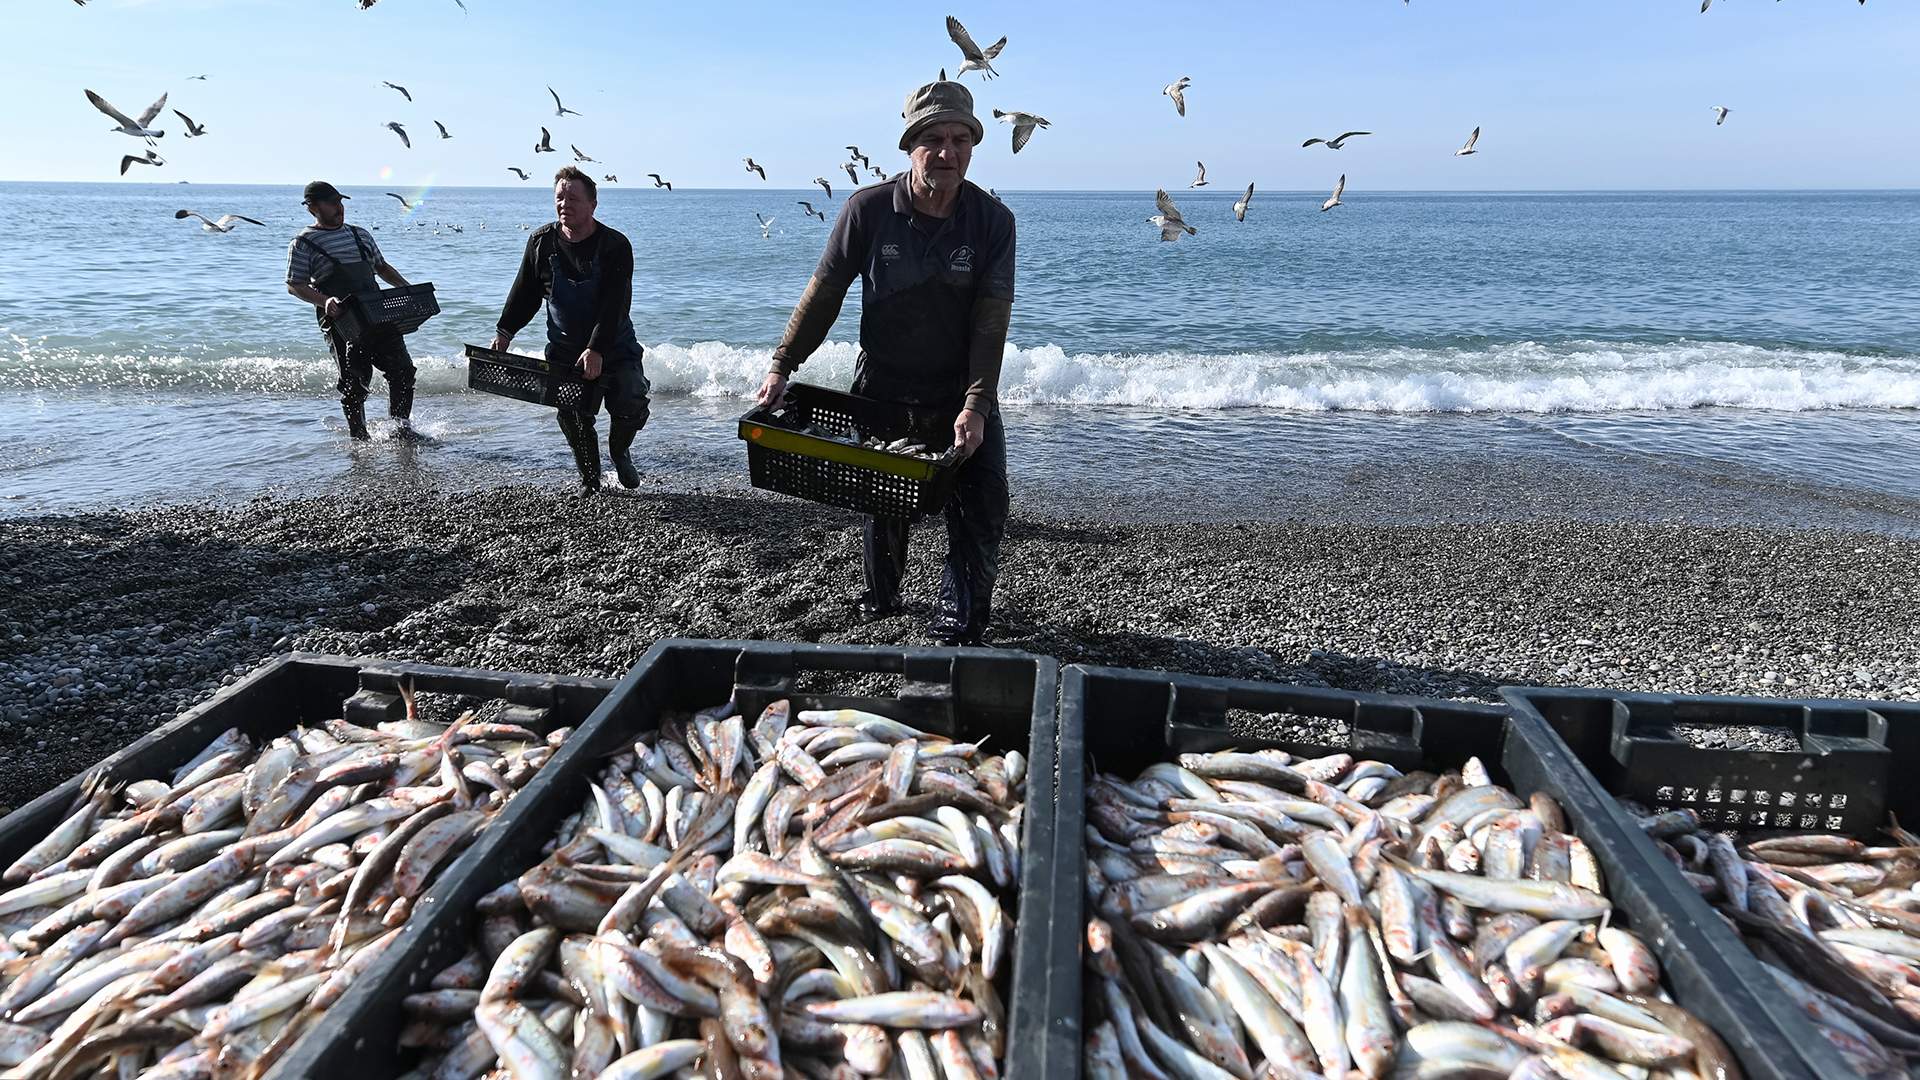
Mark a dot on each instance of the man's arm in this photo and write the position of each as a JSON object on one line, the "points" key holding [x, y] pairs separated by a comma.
{"points": [[812, 317], [392, 276], [523, 299], [985, 349], [616, 294]]}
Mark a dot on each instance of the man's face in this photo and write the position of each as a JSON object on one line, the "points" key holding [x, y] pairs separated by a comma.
{"points": [[572, 205], [327, 213], [940, 155]]}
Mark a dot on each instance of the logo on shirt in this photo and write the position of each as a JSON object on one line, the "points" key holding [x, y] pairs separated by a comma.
{"points": [[889, 252], [961, 260]]}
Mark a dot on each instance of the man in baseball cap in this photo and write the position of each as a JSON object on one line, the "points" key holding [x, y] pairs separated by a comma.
{"points": [[934, 255]]}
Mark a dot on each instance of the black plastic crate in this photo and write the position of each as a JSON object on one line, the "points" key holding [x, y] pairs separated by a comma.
{"points": [[403, 309], [971, 693], [527, 378], [1129, 719], [783, 457]]}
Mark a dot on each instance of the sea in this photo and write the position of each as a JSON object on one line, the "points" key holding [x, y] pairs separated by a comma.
{"points": [[1407, 353]]}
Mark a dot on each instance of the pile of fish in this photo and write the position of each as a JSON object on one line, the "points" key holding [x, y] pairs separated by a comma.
{"points": [[196, 926], [819, 894], [909, 447], [1835, 922], [1255, 915]]}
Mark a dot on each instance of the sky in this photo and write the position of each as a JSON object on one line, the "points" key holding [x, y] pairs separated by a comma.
{"points": [[1571, 94]]}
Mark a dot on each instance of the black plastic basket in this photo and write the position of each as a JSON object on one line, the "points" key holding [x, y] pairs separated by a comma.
{"points": [[1128, 719], [782, 457], [971, 693], [527, 378], [403, 309]]}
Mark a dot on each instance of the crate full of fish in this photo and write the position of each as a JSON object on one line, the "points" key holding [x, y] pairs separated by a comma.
{"points": [[402, 310], [524, 378], [194, 904], [875, 457], [737, 869], [1782, 823], [1284, 880]]}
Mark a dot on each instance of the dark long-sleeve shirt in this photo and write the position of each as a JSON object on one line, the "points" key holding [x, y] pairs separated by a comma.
{"points": [[607, 248]]}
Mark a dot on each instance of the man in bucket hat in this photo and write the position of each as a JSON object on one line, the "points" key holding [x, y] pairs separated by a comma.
{"points": [[934, 255]]}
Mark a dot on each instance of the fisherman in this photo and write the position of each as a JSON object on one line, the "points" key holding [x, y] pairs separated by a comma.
{"points": [[329, 261], [584, 271], [934, 255]]}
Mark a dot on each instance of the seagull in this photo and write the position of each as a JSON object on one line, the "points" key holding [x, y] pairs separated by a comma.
{"points": [[151, 159], [1337, 141], [1468, 149], [808, 207], [609, 178], [878, 172], [1719, 115], [766, 225], [822, 181], [443, 129], [404, 204], [191, 78], [752, 166], [519, 172], [1199, 180], [853, 174], [545, 145], [1240, 208], [977, 59], [1169, 219], [1335, 200], [225, 224], [137, 128], [192, 128], [397, 86], [394, 126], [865, 162], [559, 109], [1023, 125], [657, 182], [1178, 92], [577, 155]]}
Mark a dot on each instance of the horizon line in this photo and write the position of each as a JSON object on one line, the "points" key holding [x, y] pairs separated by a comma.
{"points": [[1223, 191]]}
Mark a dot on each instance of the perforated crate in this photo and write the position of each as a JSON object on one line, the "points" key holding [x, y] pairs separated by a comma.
{"points": [[783, 456], [526, 378], [403, 309]]}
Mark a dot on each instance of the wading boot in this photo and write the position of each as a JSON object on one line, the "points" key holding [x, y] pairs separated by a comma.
{"points": [[356, 414], [585, 443], [620, 435]]}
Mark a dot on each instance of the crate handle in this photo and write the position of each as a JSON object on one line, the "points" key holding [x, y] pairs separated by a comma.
{"points": [[1377, 727], [764, 674]]}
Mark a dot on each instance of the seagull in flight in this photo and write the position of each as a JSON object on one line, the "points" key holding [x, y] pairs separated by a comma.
{"points": [[853, 174], [397, 86], [1199, 180], [808, 207], [1169, 219], [151, 159], [1719, 115], [752, 166], [657, 182], [545, 145], [1468, 149], [878, 172], [394, 126], [1178, 92], [865, 162], [559, 109], [577, 155], [977, 59], [224, 224], [1240, 208], [191, 78], [822, 181], [138, 128], [1337, 141], [766, 225], [519, 172], [443, 129], [609, 178], [192, 128], [404, 204], [1023, 125], [1338, 189]]}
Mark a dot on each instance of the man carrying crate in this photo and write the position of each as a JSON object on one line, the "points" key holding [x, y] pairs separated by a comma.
{"points": [[327, 263], [584, 272], [934, 255]]}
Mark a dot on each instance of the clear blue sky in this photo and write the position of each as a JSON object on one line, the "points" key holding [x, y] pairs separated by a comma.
{"points": [[1572, 93]]}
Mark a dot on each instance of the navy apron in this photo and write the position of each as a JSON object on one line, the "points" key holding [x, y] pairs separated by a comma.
{"points": [[572, 306]]}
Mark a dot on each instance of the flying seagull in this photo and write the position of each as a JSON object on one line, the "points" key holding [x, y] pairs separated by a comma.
{"points": [[1337, 141], [1468, 149], [1240, 208], [577, 155], [609, 178], [1335, 200], [559, 109], [397, 86], [865, 162], [977, 59], [225, 224], [766, 225], [822, 181], [753, 167], [1169, 219], [404, 204], [191, 78], [394, 126], [137, 128], [545, 145], [657, 182], [151, 159], [519, 172], [1178, 92], [192, 128], [808, 207], [1023, 125], [878, 172], [443, 129], [853, 174], [1719, 115], [1200, 179]]}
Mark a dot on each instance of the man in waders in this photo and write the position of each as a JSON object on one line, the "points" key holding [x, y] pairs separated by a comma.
{"points": [[934, 255], [584, 272], [329, 261]]}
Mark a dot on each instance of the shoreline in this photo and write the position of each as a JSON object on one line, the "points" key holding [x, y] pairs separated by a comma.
{"points": [[119, 620]]}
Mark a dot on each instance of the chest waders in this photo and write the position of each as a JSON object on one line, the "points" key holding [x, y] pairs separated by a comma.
{"points": [[379, 349], [573, 305]]}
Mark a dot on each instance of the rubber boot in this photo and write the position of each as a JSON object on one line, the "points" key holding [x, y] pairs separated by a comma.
{"points": [[356, 413], [400, 408], [585, 443], [620, 433]]}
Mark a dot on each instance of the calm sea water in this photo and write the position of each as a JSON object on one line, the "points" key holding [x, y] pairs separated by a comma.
{"points": [[1747, 334]]}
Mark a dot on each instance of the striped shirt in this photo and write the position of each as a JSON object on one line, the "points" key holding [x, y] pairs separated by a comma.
{"points": [[337, 244]]}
